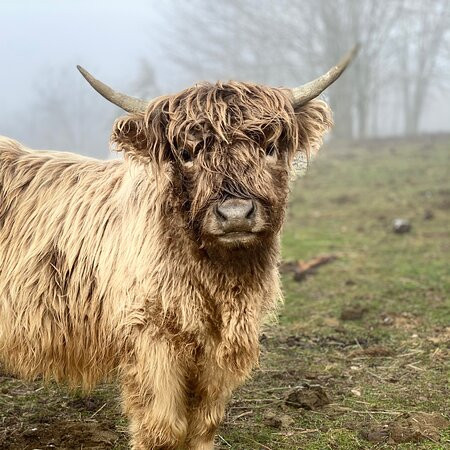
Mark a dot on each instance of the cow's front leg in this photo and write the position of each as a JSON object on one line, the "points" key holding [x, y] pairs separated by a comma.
{"points": [[211, 395], [204, 420], [154, 397]]}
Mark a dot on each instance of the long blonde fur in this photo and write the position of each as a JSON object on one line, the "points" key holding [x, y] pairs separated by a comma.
{"points": [[102, 276]]}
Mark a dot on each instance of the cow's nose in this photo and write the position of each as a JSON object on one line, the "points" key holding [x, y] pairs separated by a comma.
{"points": [[236, 209]]}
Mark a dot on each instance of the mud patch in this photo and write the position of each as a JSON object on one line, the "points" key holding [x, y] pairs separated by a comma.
{"points": [[354, 312], [373, 351], [337, 341], [61, 435], [404, 321], [410, 427], [440, 336], [344, 199], [308, 397], [275, 420]]}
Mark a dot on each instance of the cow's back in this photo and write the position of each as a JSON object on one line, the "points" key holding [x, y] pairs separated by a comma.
{"points": [[54, 210]]}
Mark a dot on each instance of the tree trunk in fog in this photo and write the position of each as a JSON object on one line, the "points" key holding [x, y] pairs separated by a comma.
{"points": [[419, 57], [355, 21], [332, 24], [341, 104], [414, 113]]}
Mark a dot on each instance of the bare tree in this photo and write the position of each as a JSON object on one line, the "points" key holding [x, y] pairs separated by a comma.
{"points": [[287, 43], [146, 85], [404, 45], [67, 116], [423, 38]]}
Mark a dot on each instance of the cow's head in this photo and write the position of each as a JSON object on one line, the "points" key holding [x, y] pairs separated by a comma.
{"points": [[227, 149]]}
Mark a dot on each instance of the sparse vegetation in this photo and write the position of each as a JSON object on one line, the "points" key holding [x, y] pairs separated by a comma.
{"points": [[371, 328]]}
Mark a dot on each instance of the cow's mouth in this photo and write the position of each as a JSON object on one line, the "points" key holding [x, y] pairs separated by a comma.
{"points": [[234, 238], [237, 237]]}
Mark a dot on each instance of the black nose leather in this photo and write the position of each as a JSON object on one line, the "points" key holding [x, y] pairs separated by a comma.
{"points": [[235, 209]]}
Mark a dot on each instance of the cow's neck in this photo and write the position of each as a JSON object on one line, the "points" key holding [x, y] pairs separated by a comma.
{"points": [[237, 289], [218, 296]]}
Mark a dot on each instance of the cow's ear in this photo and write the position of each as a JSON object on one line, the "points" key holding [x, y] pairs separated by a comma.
{"points": [[129, 136], [314, 119], [143, 136]]}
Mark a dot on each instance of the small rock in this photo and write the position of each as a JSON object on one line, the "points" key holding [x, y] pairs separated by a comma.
{"points": [[378, 350], [387, 320], [401, 226], [31, 432], [293, 341], [90, 404], [275, 420], [375, 434], [428, 215], [307, 397], [393, 379], [354, 312]]}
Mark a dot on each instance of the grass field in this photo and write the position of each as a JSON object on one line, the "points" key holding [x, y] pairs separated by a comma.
{"points": [[362, 346]]}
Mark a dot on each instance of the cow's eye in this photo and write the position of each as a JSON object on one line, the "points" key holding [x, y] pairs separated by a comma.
{"points": [[271, 152], [187, 158]]}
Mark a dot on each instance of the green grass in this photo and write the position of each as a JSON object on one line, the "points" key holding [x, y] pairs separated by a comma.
{"points": [[344, 206]]}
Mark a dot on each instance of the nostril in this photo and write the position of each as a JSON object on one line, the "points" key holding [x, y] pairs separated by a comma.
{"points": [[251, 210], [221, 212]]}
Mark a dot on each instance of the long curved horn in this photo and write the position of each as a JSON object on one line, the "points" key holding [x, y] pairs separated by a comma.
{"points": [[308, 91], [127, 103]]}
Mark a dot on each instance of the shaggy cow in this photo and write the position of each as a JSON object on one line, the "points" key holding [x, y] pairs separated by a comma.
{"points": [[159, 268]]}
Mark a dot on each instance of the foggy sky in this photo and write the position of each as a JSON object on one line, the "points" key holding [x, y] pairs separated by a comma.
{"points": [[109, 38], [42, 38]]}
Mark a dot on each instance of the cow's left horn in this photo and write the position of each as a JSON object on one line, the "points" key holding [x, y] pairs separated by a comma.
{"points": [[308, 91], [126, 102]]}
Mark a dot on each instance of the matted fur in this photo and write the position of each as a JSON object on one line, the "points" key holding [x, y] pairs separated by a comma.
{"points": [[105, 271]]}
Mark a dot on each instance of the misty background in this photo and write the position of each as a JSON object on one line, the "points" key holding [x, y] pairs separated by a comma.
{"points": [[398, 86]]}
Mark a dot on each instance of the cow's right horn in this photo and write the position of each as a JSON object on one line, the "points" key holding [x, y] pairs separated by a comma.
{"points": [[126, 102]]}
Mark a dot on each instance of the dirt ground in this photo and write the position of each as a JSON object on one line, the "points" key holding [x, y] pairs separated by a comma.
{"points": [[360, 356]]}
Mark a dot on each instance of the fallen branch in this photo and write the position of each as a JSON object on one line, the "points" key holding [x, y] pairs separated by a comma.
{"points": [[301, 269]]}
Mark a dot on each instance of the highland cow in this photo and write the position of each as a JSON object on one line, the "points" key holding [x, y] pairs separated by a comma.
{"points": [[157, 269]]}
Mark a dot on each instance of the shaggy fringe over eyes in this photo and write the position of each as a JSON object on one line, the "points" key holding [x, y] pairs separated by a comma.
{"points": [[225, 113], [221, 113]]}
